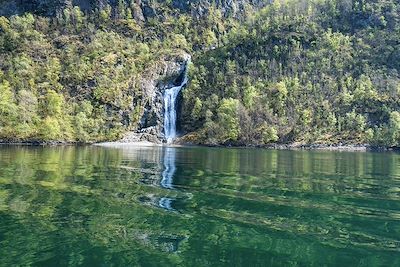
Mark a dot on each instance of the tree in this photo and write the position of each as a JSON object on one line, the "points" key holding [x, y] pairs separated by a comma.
{"points": [[8, 111], [228, 120], [355, 122], [249, 94], [279, 93], [196, 112], [53, 104], [388, 135], [50, 129], [268, 133], [27, 112], [210, 40]]}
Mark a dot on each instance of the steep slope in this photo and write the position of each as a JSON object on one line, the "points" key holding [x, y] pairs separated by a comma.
{"points": [[263, 71], [147, 7], [307, 72], [89, 71]]}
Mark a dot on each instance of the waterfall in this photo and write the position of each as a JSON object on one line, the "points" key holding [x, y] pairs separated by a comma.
{"points": [[170, 96]]}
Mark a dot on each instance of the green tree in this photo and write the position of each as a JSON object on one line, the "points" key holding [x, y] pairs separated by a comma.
{"points": [[50, 129], [53, 104], [228, 120], [8, 111], [269, 133], [27, 112]]}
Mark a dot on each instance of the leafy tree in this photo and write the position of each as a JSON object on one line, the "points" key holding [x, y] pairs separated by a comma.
{"points": [[8, 111], [269, 134], [228, 120], [50, 129], [53, 104]]}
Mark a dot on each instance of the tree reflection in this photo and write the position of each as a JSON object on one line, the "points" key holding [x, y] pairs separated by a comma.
{"points": [[70, 206]]}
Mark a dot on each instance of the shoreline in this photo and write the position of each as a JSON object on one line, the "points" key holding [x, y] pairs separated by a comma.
{"points": [[292, 146], [309, 147], [117, 144]]}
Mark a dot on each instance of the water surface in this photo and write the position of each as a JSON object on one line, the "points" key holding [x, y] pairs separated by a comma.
{"points": [[165, 206]]}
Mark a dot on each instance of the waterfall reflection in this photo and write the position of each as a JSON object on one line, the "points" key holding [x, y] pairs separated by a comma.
{"points": [[157, 166], [167, 177], [169, 168], [166, 203]]}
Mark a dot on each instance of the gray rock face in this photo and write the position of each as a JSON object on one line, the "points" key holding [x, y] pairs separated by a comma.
{"points": [[148, 8], [44, 7], [199, 8], [48, 7], [165, 75]]}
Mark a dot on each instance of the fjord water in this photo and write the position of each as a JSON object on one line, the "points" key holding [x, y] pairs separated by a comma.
{"points": [[190, 206]]}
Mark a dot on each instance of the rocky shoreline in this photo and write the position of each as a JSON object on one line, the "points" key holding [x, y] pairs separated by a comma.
{"points": [[38, 143], [293, 146], [340, 147], [316, 147]]}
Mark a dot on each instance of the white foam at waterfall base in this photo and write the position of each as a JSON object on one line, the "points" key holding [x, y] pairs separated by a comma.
{"points": [[170, 96]]}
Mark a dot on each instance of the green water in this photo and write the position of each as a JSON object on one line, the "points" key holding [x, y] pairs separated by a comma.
{"points": [[93, 206]]}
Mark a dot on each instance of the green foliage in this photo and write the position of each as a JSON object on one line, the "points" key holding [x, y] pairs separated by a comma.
{"points": [[8, 110], [53, 104], [196, 112], [269, 134], [50, 129], [310, 70], [301, 71], [228, 120], [51, 67], [388, 135], [355, 122]]}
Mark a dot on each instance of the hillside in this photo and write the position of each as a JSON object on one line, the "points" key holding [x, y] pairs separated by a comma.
{"points": [[308, 72], [321, 71]]}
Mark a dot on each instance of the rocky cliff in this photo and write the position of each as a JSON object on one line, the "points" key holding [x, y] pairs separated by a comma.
{"points": [[148, 8], [165, 75]]}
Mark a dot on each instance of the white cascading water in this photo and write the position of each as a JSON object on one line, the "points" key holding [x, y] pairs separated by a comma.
{"points": [[170, 96]]}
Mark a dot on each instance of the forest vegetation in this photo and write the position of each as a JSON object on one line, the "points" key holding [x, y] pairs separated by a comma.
{"points": [[318, 71]]}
